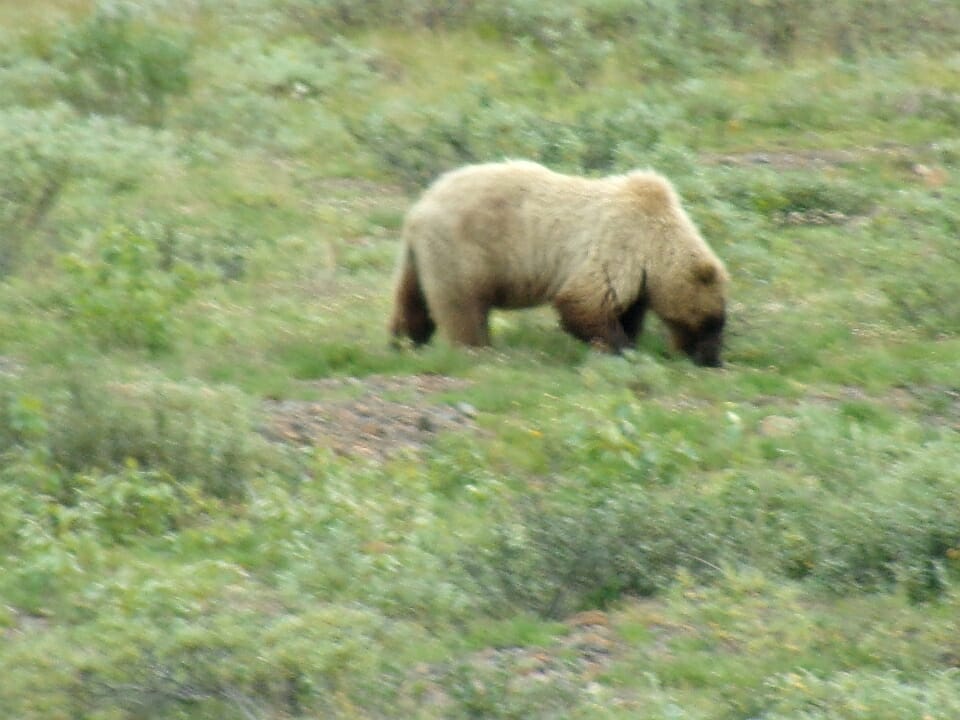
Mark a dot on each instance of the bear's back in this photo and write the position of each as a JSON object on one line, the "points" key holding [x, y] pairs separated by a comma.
{"points": [[499, 224]]}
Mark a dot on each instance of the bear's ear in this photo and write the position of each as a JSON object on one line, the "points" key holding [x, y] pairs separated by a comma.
{"points": [[705, 273]]}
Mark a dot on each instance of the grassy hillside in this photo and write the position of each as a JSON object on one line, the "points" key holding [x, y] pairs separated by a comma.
{"points": [[223, 495]]}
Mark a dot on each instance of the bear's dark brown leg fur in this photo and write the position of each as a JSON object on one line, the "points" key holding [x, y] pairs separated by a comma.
{"points": [[411, 315], [585, 323], [702, 344], [632, 319]]}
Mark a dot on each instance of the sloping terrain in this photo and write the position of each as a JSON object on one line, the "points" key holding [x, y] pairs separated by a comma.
{"points": [[223, 493]]}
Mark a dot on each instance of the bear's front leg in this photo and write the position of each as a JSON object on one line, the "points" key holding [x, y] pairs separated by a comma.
{"points": [[632, 319], [593, 325]]}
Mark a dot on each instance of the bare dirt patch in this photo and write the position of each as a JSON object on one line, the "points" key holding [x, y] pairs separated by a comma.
{"points": [[937, 404], [818, 158], [585, 651], [907, 158], [381, 415], [572, 662], [788, 160]]}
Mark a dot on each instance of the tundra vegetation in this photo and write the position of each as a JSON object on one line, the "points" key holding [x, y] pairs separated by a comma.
{"points": [[222, 494]]}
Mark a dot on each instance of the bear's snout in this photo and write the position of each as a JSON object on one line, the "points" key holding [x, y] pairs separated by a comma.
{"points": [[707, 355]]}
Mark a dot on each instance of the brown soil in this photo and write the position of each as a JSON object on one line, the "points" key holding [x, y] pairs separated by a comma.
{"points": [[575, 659], [787, 160], [368, 423], [803, 159]]}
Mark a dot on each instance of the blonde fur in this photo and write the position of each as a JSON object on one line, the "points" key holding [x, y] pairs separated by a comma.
{"points": [[515, 234]]}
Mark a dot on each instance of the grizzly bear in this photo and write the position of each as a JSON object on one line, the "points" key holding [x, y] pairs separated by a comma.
{"points": [[601, 251]]}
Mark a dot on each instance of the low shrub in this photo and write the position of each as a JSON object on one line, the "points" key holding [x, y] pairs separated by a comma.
{"points": [[638, 515], [331, 17], [796, 198], [233, 662], [115, 63], [917, 278], [416, 146], [124, 288], [25, 80], [300, 68], [44, 153], [558, 555], [88, 423], [862, 695], [561, 30]]}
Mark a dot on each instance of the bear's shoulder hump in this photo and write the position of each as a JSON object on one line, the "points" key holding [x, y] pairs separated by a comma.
{"points": [[651, 191]]}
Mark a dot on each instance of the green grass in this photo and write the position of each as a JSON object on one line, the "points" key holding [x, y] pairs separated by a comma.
{"points": [[201, 212]]}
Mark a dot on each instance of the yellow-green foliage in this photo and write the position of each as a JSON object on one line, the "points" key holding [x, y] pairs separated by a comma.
{"points": [[200, 207]]}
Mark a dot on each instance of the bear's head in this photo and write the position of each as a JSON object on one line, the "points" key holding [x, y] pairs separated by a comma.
{"points": [[685, 283], [693, 307]]}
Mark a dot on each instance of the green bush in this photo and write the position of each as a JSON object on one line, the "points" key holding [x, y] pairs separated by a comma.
{"points": [[497, 691], [862, 695], [330, 17], [115, 63], [86, 423], [919, 295], [782, 28], [668, 36], [416, 146], [124, 290], [25, 80], [284, 96], [795, 198], [90, 463], [674, 38], [142, 660], [299, 68], [130, 503], [45, 153], [642, 511], [563, 554], [885, 520], [560, 29]]}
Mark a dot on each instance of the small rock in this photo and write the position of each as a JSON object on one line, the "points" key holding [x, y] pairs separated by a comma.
{"points": [[466, 409]]}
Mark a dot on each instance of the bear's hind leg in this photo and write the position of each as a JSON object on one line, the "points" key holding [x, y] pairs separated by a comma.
{"points": [[411, 315]]}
